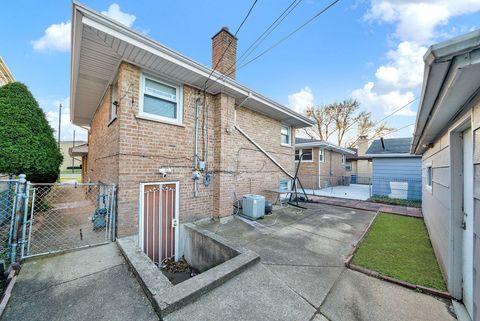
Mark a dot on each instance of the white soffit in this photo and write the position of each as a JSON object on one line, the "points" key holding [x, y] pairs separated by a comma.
{"points": [[99, 45]]}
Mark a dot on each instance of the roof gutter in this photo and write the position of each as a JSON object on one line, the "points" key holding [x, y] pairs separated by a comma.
{"points": [[105, 24]]}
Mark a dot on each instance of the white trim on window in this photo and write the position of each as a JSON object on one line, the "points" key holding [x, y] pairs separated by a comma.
{"points": [[300, 151], [321, 155], [177, 99], [288, 135], [344, 157], [429, 176]]}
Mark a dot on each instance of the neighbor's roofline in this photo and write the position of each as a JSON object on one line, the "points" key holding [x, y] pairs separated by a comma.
{"points": [[393, 155], [328, 145], [92, 18]]}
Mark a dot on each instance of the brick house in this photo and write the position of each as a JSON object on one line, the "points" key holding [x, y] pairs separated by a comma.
{"points": [[172, 148], [323, 163], [6, 75], [359, 165]]}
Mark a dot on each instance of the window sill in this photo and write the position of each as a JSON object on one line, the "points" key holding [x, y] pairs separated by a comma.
{"points": [[429, 188], [145, 117], [285, 145], [305, 161]]}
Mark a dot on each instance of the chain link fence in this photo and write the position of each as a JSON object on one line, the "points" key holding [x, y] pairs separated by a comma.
{"points": [[66, 216], [363, 187], [8, 198]]}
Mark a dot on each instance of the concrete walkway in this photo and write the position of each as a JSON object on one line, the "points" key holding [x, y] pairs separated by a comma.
{"points": [[368, 206], [302, 276], [93, 284]]}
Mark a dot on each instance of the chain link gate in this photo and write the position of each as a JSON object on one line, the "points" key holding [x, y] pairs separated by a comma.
{"points": [[64, 216]]}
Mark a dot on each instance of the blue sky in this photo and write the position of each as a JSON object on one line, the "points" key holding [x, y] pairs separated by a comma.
{"points": [[370, 50]]}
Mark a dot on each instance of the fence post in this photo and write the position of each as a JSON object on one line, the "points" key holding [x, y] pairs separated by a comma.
{"points": [[25, 216], [18, 211]]}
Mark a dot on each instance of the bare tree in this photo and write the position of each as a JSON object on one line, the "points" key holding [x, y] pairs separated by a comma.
{"points": [[340, 117], [323, 121]]}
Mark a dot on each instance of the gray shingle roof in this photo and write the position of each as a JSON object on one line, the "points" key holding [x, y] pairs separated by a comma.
{"points": [[392, 146], [299, 140]]}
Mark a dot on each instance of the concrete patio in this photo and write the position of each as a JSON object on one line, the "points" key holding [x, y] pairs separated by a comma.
{"points": [[352, 191], [302, 276]]}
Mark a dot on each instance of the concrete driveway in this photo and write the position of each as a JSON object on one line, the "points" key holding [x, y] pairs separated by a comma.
{"points": [[302, 275], [93, 284]]}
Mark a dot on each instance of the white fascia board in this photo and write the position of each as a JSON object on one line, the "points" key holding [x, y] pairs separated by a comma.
{"points": [[339, 149], [123, 33], [392, 155]]}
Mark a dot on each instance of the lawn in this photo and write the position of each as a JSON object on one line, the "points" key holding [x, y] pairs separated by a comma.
{"points": [[395, 201], [399, 247]]}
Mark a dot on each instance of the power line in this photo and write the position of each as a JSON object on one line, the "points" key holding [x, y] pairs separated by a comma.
{"points": [[379, 121], [282, 39], [395, 111], [289, 35], [265, 34], [229, 43]]}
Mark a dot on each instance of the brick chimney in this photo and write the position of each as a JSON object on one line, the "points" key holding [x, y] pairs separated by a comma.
{"points": [[220, 43], [362, 145]]}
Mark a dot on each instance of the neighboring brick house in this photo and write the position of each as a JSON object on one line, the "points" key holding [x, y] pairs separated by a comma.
{"points": [[359, 165], [323, 163], [153, 129], [6, 75]]}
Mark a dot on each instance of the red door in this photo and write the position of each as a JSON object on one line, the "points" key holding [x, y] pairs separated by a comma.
{"points": [[159, 205]]}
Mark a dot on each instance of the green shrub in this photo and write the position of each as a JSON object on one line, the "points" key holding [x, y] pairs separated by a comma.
{"points": [[27, 144]]}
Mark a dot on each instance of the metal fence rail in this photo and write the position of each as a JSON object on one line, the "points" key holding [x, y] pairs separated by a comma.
{"points": [[363, 187], [67, 216]]}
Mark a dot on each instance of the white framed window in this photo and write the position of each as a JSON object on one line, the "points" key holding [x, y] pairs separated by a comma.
{"points": [[429, 176], [160, 100], [343, 159], [321, 155], [284, 185], [286, 135], [307, 154], [348, 166], [115, 103]]}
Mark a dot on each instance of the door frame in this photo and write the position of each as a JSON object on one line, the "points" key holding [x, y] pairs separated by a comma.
{"points": [[455, 256], [177, 208]]}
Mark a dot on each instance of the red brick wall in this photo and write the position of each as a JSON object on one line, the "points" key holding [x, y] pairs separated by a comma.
{"points": [[144, 146], [224, 52], [102, 160]]}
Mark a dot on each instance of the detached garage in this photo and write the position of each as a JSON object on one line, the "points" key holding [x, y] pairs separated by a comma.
{"points": [[395, 172]]}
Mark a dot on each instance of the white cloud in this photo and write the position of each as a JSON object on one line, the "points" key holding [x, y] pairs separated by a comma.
{"points": [[115, 13], [57, 36], [50, 107], [387, 102], [418, 20], [299, 101], [418, 24]]}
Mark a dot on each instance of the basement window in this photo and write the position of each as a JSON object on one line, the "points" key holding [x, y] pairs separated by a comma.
{"points": [[161, 101], [285, 133]]}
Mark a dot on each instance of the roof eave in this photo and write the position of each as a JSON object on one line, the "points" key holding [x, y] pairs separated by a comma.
{"points": [[83, 15]]}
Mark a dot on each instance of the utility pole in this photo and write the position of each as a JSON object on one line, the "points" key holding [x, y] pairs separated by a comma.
{"points": [[59, 123]]}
